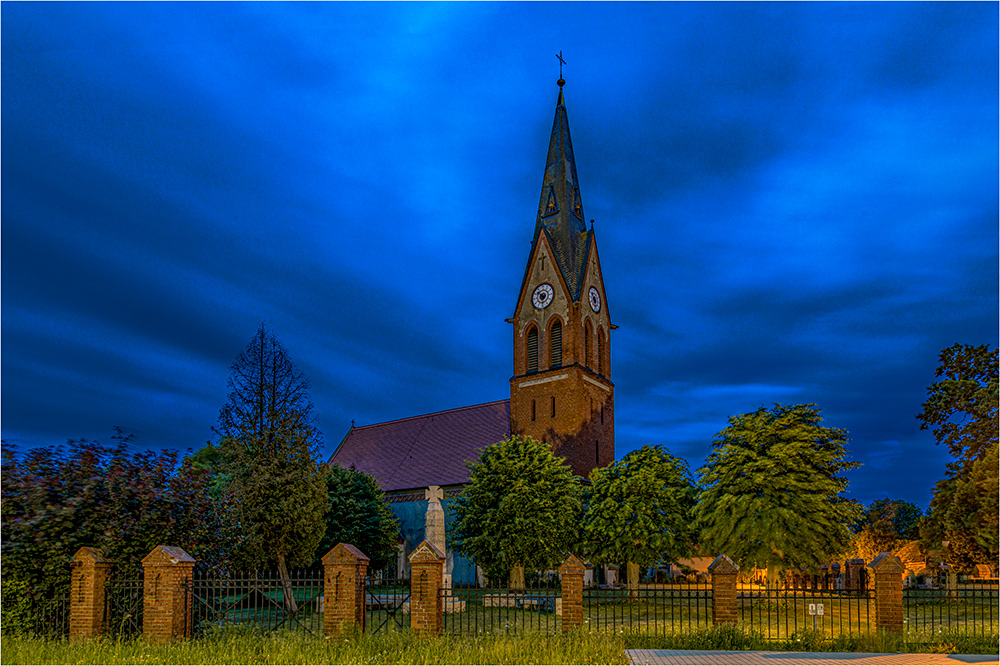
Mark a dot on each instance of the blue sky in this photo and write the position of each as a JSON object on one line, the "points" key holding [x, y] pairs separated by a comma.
{"points": [[794, 203]]}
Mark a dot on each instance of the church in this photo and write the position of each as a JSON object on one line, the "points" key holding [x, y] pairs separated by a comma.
{"points": [[560, 392]]}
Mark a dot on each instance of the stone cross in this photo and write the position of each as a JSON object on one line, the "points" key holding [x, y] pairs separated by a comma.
{"points": [[434, 519]]}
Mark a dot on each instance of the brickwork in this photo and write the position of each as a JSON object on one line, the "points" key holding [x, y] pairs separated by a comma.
{"points": [[724, 572], [86, 605], [344, 571], [885, 571], [426, 607], [853, 574], [167, 602], [571, 573]]}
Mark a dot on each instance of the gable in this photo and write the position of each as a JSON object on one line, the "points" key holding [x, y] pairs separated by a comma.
{"points": [[427, 450]]}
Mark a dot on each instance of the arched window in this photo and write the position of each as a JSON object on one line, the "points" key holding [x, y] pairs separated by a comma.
{"points": [[600, 351], [555, 346], [586, 345], [533, 350]]}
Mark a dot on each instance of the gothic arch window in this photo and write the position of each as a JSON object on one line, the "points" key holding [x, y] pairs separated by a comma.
{"points": [[587, 335], [532, 349], [555, 345], [600, 351]]}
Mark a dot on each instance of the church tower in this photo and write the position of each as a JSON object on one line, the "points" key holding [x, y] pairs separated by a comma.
{"points": [[561, 392]]}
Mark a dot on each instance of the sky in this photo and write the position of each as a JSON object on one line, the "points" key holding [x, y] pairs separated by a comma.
{"points": [[794, 203]]}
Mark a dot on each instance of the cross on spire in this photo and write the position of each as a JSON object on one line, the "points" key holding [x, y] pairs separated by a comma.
{"points": [[561, 63]]}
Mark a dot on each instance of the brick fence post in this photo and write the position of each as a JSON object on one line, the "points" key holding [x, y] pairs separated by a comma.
{"points": [[426, 609], [86, 603], [344, 571], [166, 594], [724, 572], [886, 575], [571, 572]]}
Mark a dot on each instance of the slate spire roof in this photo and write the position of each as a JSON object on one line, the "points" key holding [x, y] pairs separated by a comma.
{"points": [[560, 209]]}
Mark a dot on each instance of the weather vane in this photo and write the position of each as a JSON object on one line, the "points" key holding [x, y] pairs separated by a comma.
{"points": [[561, 63]]}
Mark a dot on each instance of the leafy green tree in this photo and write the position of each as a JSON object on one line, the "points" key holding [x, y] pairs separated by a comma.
{"points": [[270, 446], [639, 511], [770, 490], [884, 526], [521, 509], [962, 411], [358, 515]]}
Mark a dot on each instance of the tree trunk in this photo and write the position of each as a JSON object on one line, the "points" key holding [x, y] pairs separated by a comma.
{"points": [[632, 580], [517, 578], [286, 585]]}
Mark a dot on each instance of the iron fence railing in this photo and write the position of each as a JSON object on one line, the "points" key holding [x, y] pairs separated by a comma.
{"points": [[488, 610], [33, 614], [257, 598], [123, 604], [387, 604], [654, 608], [820, 603], [967, 607]]}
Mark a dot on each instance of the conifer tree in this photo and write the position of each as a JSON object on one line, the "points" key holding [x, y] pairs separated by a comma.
{"points": [[770, 490], [270, 449], [520, 510]]}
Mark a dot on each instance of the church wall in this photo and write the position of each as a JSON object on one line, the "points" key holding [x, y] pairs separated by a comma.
{"points": [[411, 517]]}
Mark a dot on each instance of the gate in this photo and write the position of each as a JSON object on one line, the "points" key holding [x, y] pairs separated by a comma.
{"points": [[123, 604], [221, 598], [387, 603]]}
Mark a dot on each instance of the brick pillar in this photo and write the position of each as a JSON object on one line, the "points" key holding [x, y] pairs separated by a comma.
{"points": [[344, 571], [886, 570], [426, 609], [86, 602], [166, 594], [571, 572], [854, 568], [724, 572]]}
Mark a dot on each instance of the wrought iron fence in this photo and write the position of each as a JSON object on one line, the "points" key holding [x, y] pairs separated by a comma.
{"points": [[820, 603], [35, 614], [261, 599], [654, 608], [387, 603], [969, 607], [487, 610], [123, 604]]}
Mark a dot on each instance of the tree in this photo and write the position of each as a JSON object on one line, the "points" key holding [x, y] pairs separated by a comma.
{"points": [[884, 526], [961, 410], [520, 509], [55, 500], [639, 511], [358, 515], [770, 490], [271, 450]]}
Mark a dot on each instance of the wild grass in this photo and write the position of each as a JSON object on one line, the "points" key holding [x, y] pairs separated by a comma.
{"points": [[245, 646]]}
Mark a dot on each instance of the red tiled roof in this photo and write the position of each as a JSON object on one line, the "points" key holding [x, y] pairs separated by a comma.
{"points": [[428, 450]]}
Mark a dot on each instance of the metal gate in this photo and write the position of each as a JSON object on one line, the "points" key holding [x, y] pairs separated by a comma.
{"points": [[123, 604], [387, 604]]}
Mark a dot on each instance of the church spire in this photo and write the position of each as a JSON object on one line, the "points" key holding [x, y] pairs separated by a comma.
{"points": [[560, 209]]}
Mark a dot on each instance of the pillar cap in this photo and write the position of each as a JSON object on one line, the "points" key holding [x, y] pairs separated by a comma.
{"points": [[723, 565], [426, 552], [167, 555], [888, 563], [91, 554], [344, 552], [572, 565]]}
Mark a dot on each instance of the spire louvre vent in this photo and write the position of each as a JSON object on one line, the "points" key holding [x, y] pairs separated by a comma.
{"points": [[556, 346]]}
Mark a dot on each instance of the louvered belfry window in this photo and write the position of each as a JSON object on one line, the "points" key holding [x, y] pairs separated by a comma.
{"points": [[556, 346], [533, 350], [586, 346], [600, 352]]}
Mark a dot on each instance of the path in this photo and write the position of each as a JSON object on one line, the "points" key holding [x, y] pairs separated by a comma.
{"points": [[767, 658]]}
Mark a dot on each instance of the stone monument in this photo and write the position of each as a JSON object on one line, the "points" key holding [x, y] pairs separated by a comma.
{"points": [[434, 533]]}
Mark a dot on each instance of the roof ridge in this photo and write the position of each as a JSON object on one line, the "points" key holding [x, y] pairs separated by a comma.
{"points": [[421, 416]]}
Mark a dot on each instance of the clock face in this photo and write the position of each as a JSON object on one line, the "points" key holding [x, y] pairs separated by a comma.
{"points": [[542, 296], [595, 300]]}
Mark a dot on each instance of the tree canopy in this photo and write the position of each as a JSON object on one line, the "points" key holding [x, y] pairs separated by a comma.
{"points": [[640, 510], [770, 490], [270, 447], [358, 515], [962, 411], [520, 509], [884, 526]]}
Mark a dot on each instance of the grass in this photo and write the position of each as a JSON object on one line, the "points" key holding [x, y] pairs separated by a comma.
{"points": [[235, 645]]}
